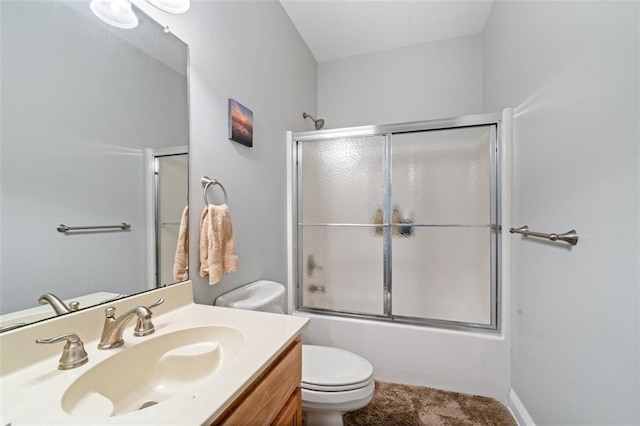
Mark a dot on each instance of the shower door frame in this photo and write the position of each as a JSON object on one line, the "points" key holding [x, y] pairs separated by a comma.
{"points": [[152, 211], [387, 131]]}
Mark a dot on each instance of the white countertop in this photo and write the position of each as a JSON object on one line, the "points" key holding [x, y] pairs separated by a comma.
{"points": [[32, 393]]}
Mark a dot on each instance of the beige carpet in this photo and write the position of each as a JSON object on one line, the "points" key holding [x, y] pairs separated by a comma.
{"points": [[402, 405]]}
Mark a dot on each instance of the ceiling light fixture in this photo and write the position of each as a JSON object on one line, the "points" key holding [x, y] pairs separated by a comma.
{"points": [[117, 13]]}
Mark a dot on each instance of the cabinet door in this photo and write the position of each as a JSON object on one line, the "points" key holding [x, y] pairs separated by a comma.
{"points": [[262, 403], [291, 413]]}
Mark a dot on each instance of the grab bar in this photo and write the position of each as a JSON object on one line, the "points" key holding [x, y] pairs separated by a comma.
{"points": [[570, 237], [64, 228]]}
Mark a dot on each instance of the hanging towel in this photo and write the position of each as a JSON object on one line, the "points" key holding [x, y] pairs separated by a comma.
{"points": [[181, 260], [217, 247]]}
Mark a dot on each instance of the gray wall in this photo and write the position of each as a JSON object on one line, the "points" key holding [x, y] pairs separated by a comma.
{"points": [[249, 51], [430, 80], [570, 71]]}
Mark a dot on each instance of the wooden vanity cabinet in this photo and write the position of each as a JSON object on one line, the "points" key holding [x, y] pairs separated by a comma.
{"points": [[291, 413], [274, 397]]}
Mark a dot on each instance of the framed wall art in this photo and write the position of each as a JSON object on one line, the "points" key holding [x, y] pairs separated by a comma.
{"points": [[240, 123]]}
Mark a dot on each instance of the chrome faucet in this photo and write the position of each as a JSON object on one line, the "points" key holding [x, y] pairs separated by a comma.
{"points": [[58, 305], [73, 354], [114, 327]]}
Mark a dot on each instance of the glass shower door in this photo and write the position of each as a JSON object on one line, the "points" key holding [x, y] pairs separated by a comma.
{"points": [[400, 222], [340, 186], [442, 254], [172, 181]]}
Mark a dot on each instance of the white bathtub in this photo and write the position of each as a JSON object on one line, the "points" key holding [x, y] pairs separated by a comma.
{"points": [[472, 363]]}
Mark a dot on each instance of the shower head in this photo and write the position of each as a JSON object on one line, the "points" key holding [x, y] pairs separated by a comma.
{"points": [[318, 123]]}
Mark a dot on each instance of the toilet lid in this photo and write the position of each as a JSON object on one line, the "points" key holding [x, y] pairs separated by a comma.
{"points": [[333, 369]]}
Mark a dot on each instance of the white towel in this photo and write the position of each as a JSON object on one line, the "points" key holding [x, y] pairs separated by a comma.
{"points": [[181, 260], [218, 254]]}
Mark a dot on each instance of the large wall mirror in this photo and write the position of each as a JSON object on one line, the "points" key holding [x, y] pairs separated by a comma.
{"points": [[94, 131]]}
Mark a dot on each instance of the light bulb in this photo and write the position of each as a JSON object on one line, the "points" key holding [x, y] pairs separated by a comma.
{"points": [[117, 13], [172, 6]]}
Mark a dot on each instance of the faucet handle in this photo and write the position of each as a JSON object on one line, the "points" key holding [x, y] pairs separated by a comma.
{"points": [[116, 297], [73, 353], [74, 306], [144, 326], [158, 303]]}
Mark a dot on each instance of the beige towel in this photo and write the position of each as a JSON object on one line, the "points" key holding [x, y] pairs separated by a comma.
{"points": [[181, 260], [217, 247]]}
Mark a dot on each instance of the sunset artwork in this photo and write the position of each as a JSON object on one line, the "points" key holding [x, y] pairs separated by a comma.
{"points": [[240, 123]]}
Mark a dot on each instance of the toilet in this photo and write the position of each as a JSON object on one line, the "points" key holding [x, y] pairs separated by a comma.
{"points": [[334, 381]]}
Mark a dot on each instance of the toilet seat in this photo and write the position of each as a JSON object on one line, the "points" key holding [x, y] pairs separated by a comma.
{"points": [[329, 369], [314, 399]]}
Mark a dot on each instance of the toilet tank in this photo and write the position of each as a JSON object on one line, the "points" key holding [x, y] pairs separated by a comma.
{"points": [[266, 296]]}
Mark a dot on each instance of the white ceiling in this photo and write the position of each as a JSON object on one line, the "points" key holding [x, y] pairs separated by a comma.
{"points": [[335, 29]]}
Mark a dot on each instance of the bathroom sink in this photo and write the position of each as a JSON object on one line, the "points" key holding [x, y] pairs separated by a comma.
{"points": [[152, 371]]}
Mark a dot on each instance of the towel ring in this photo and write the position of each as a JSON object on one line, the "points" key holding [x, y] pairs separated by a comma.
{"points": [[206, 183]]}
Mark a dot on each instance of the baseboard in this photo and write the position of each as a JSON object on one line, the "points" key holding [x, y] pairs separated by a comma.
{"points": [[518, 411]]}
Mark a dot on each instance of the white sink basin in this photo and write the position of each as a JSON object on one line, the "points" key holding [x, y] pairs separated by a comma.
{"points": [[152, 371]]}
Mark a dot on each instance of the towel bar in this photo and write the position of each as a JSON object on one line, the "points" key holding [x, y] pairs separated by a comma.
{"points": [[206, 183], [64, 228], [570, 237]]}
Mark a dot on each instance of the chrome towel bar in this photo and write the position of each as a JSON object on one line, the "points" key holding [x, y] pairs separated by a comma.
{"points": [[570, 237], [64, 228]]}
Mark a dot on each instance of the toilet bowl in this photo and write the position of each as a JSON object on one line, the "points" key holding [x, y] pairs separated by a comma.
{"points": [[334, 381]]}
